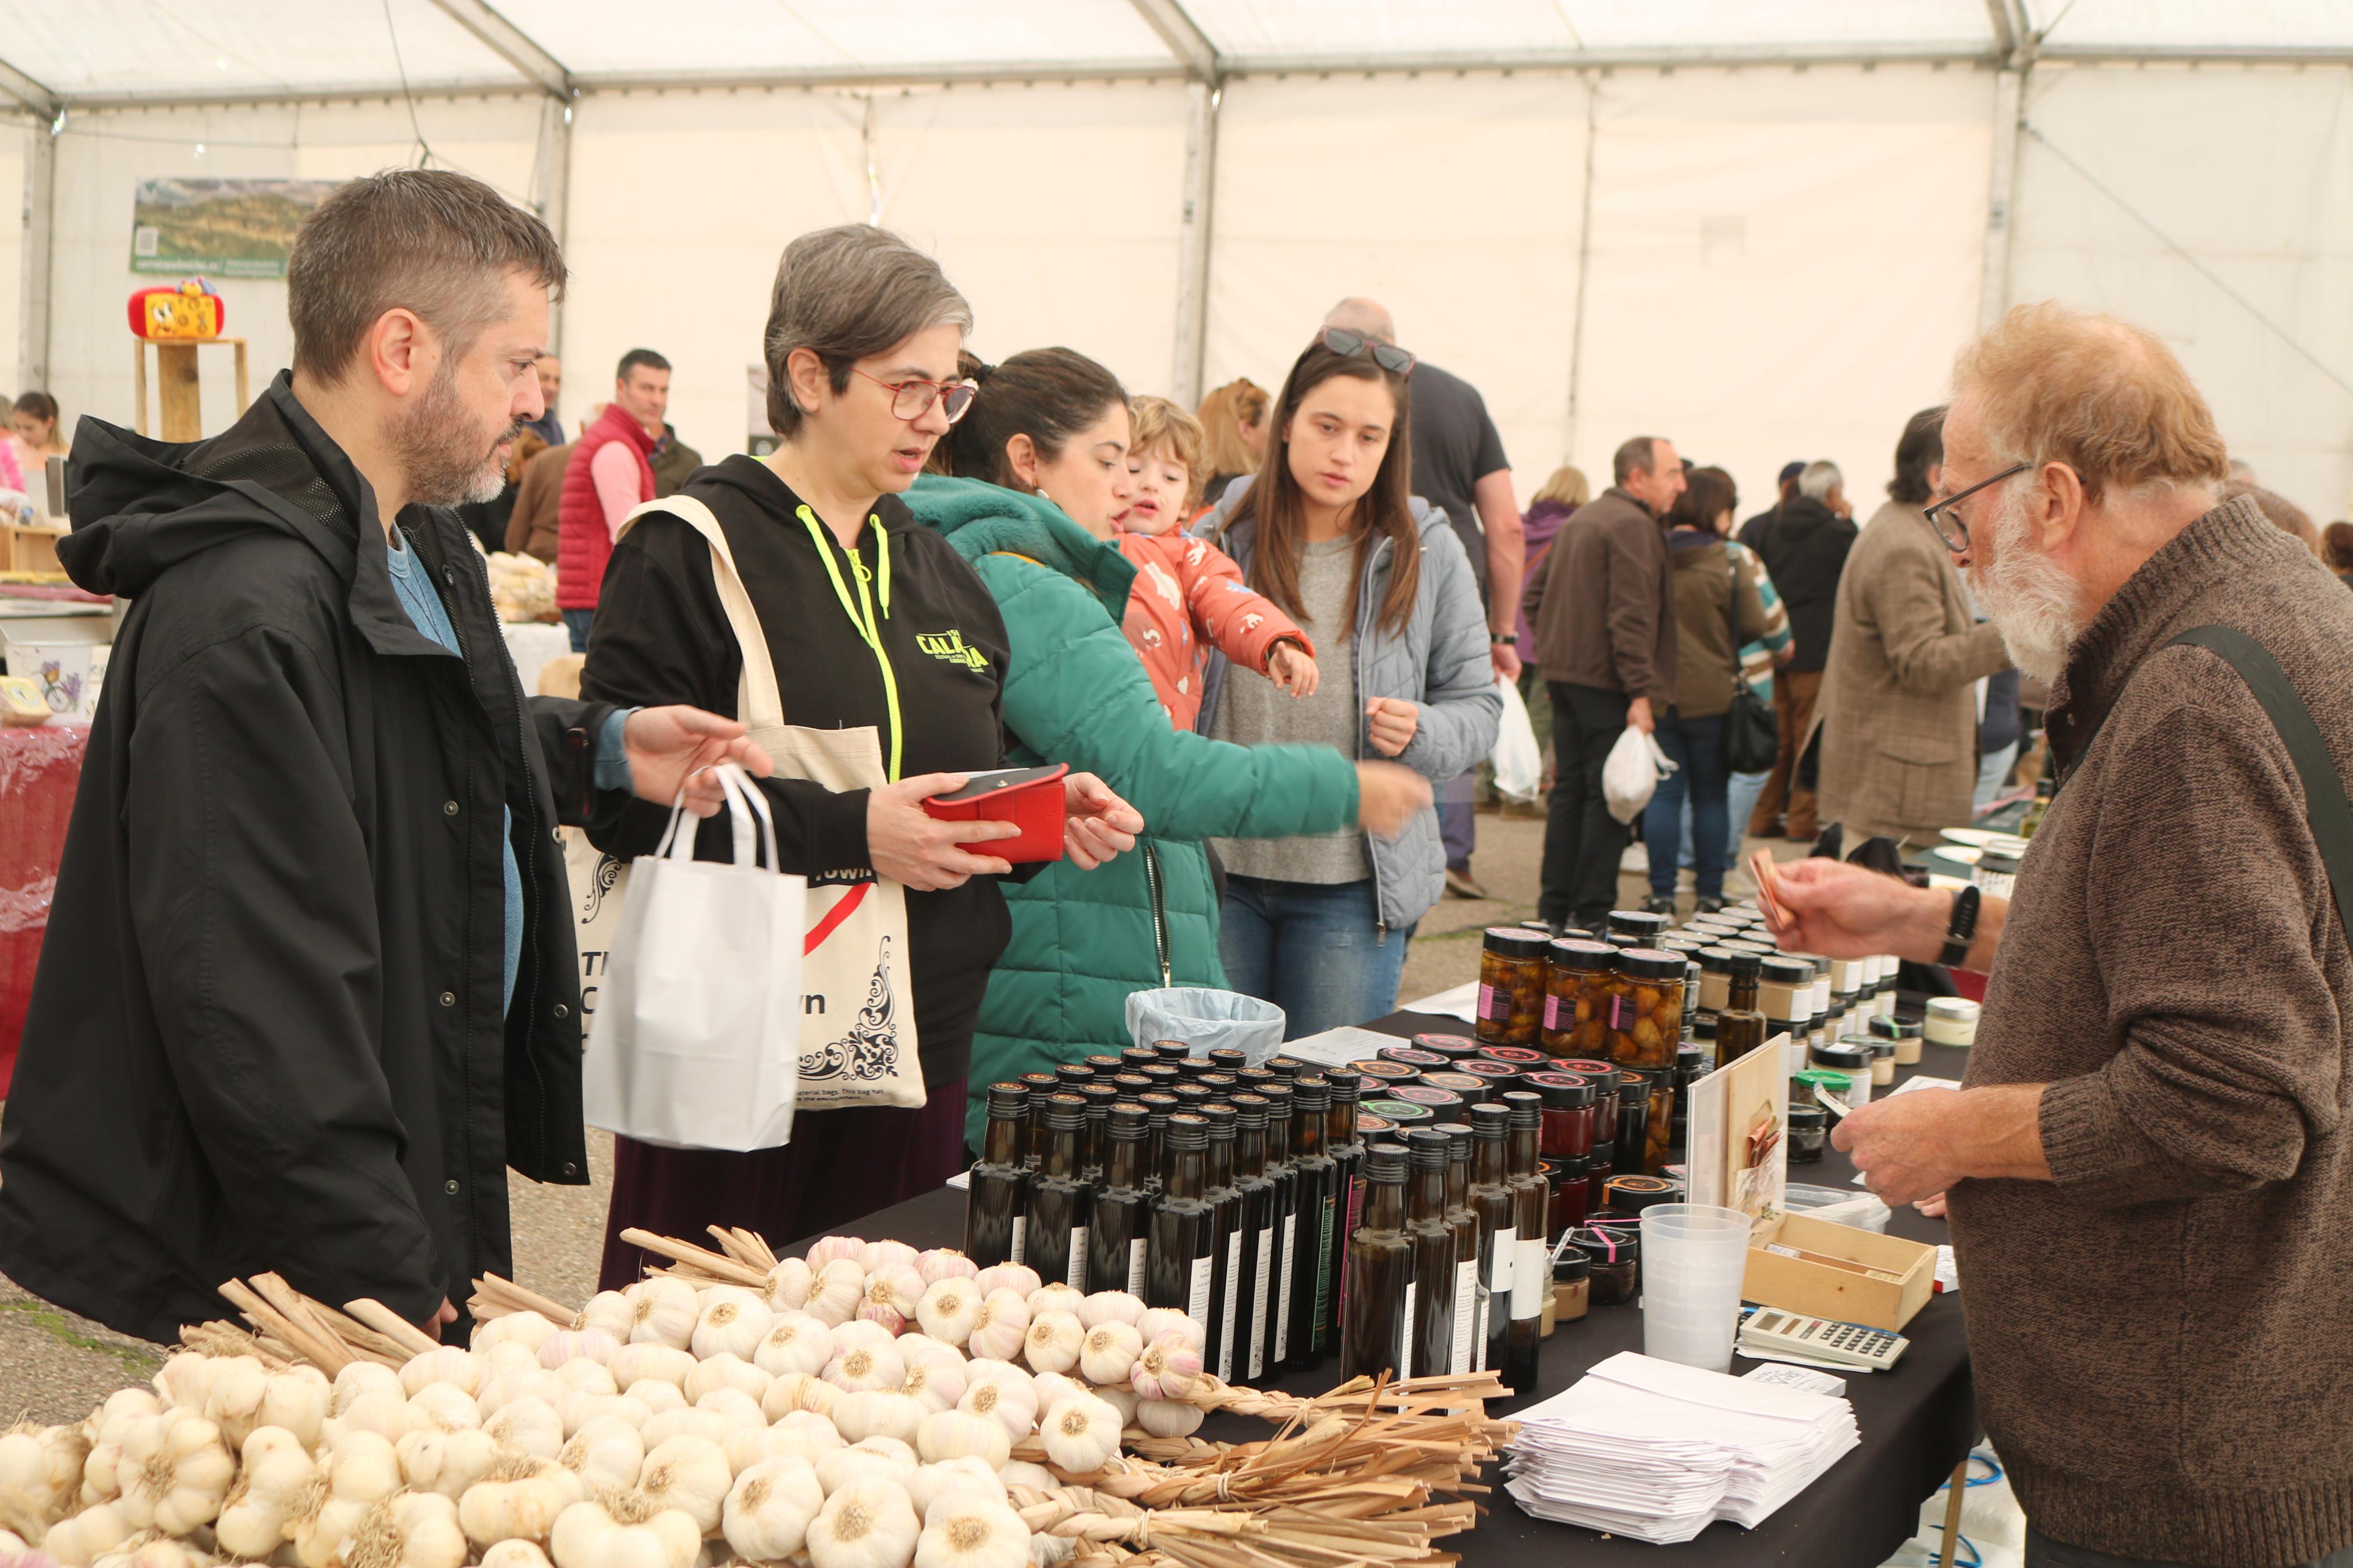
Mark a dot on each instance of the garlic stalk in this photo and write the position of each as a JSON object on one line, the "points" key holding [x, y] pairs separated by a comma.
{"points": [[175, 1472], [973, 1533], [623, 1530], [868, 1524], [767, 1513], [519, 1498], [689, 1474]]}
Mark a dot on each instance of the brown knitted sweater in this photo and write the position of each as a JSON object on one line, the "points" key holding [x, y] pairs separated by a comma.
{"points": [[2163, 1335]]}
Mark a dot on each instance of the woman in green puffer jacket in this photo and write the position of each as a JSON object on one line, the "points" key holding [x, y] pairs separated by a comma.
{"points": [[1075, 692]]}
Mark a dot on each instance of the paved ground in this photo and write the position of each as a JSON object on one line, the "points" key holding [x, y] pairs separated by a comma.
{"points": [[55, 1366]]}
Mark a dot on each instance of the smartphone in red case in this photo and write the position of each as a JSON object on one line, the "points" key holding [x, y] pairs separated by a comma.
{"points": [[1029, 798]]}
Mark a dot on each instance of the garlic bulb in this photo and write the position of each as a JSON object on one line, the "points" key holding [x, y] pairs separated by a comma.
{"points": [[862, 1333], [881, 1254], [657, 1395], [77, 1543], [447, 1462], [501, 1389], [1110, 1306], [1046, 1551], [1167, 1417], [585, 1376], [891, 1295], [794, 1343], [972, 1533], [768, 1512], [567, 1346], [1011, 1403], [798, 1391], [175, 1472], [1056, 1297], [528, 1426], [508, 1355], [869, 1523], [443, 1408], [109, 1421], [1080, 1434], [944, 1263], [858, 1371], [529, 1329], [41, 1472], [662, 1311], [738, 1408], [1000, 1325], [935, 1385], [607, 1312], [233, 1402], [949, 1308], [1159, 1321], [1053, 1341], [733, 1325], [937, 1485], [634, 1363], [1053, 1388], [919, 1349], [408, 1529], [101, 1481], [726, 1370], [1109, 1351], [689, 1474], [878, 1413], [708, 1424], [953, 1435], [515, 1554], [461, 1369], [1168, 1368], [802, 1434], [519, 1498], [360, 1470], [884, 1457], [1018, 1277], [268, 1493], [297, 1400], [583, 1408], [827, 1249], [788, 1285], [185, 1379], [623, 1530], [834, 1294], [1122, 1399], [360, 1378], [607, 1452], [1022, 1473]]}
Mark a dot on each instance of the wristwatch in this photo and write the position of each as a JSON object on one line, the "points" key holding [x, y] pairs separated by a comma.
{"points": [[1963, 929], [1504, 639]]}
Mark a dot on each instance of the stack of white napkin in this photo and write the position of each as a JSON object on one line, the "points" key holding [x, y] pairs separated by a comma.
{"points": [[1658, 1451]]}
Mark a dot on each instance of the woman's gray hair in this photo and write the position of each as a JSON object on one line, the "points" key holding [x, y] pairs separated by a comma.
{"points": [[844, 293]]}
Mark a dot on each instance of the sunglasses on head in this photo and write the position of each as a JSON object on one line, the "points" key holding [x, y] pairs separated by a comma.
{"points": [[1388, 356]]}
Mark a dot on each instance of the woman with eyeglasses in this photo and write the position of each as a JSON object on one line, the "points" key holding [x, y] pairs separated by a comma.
{"points": [[875, 626], [1330, 532]]}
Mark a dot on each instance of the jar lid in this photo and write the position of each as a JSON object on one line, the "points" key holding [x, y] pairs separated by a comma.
{"points": [[1575, 933], [1396, 1111], [1585, 1066], [1582, 956], [1638, 922], [1854, 1058], [1882, 1049], [1572, 1167], [1608, 1244], [1422, 1094], [1519, 1055], [1651, 964], [1808, 1118], [1463, 1082], [1562, 1091], [1570, 1267], [1689, 1057], [1389, 1072], [1634, 1083], [1823, 1077], [1953, 1009], [1681, 942], [1367, 1123], [1494, 1074], [1511, 942], [1703, 1026], [1411, 1057], [1715, 960], [1887, 1026], [1784, 970], [1449, 1046]]}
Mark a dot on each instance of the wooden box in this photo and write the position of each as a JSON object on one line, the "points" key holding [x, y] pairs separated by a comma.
{"points": [[1840, 1272]]}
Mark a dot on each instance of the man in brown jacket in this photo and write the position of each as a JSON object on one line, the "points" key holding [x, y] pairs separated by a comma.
{"points": [[1898, 708], [1602, 605], [531, 526], [2149, 1168]]}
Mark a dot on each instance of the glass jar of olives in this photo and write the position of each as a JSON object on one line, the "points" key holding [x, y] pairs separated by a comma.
{"points": [[1646, 1018], [1511, 986], [1579, 981]]}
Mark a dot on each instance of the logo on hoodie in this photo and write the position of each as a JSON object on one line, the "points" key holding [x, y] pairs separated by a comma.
{"points": [[950, 646]]}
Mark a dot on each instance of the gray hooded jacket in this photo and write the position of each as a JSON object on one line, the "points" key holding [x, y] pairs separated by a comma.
{"points": [[1440, 660]]}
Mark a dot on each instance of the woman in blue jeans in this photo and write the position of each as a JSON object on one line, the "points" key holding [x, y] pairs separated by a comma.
{"points": [[1718, 607], [1318, 923]]}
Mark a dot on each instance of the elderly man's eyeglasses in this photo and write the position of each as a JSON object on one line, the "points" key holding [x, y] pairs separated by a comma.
{"points": [[1388, 356], [1946, 522], [910, 400]]}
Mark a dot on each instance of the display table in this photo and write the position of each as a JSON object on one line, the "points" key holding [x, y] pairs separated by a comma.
{"points": [[1918, 1421], [39, 769]]}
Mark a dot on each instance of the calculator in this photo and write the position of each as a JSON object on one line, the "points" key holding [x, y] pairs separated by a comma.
{"points": [[1770, 1330]]}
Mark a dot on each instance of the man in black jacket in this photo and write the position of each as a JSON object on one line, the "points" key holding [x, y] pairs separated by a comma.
{"points": [[1804, 550], [309, 985]]}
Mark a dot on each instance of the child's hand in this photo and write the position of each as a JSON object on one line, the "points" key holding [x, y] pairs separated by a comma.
{"points": [[1290, 668]]}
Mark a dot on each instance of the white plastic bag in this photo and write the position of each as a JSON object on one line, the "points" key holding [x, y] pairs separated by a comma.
{"points": [[1518, 760], [1631, 771], [695, 1042]]}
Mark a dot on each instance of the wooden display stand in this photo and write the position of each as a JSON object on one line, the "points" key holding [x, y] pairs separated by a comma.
{"points": [[31, 547], [175, 384]]}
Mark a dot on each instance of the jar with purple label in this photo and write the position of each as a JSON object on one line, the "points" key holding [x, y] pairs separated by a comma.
{"points": [[1511, 986]]}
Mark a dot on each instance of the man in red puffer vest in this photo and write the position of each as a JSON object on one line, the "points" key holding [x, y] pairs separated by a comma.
{"points": [[609, 473]]}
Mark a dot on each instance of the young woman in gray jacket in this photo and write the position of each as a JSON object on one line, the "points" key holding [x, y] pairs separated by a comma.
{"points": [[1318, 925]]}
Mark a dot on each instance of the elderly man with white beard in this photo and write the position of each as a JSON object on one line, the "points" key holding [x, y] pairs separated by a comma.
{"points": [[2149, 1166]]}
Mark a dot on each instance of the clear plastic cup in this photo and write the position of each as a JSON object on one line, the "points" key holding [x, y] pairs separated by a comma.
{"points": [[1694, 1258]]}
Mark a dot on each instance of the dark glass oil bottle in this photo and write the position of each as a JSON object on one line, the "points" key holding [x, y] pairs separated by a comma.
{"points": [[1181, 1259], [1740, 1028], [1347, 1150], [1465, 1226], [1432, 1242], [1118, 1231], [996, 1203], [1094, 1148], [1257, 1228], [1374, 1320], [1059, 1200], [1490, 1198], [1285, 1177], [1225, 1232], [1310, 1275], [1040, 1085], [1160, 1107], [1531, 1262]]}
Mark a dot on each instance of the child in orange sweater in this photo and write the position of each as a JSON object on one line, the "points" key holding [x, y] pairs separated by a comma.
{"points": [[1189, 594]]}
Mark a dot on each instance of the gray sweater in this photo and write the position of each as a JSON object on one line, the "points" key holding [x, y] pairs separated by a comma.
{"points": [[2162, 1336]]}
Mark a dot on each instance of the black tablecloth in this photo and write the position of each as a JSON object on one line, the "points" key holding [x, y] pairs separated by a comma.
{"points": [[1917, 1420]]}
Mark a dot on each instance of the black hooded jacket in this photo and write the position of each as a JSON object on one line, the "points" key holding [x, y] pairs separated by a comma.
{"points": [[1804, 550], [269, 1028]]}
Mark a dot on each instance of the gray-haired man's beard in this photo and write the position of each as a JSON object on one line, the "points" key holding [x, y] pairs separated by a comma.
{"points": [[2029, 600], [447, 457]]}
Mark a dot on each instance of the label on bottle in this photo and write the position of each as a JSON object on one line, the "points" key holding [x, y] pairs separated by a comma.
{"points": [[1078, 1257], [1197, 1294], [1233, 1297], [1487, 1004], [1283, 1297], [1020, 1238], [1258, 1304], [1466, 1311], [1135, 1253], [1406, 1336], [1478, 1334], [1552, 1011], [1530, 1271], [1499, 1266], [1324, 1270]]}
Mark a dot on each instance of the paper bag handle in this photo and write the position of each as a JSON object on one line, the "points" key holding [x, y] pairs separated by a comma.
{"points": [[745, 805]]}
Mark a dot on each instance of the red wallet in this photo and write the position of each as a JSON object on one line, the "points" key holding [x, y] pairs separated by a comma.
{"points": [[1029, 798]]}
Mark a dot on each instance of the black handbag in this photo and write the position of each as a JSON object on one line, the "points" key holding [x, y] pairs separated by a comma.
{"points": [[1752, 733]]}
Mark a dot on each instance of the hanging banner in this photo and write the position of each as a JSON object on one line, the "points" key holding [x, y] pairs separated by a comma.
{"points": [[230, 228]]}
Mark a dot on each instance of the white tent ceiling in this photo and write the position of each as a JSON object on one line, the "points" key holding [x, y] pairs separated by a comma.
{"points": [[101, 51]]}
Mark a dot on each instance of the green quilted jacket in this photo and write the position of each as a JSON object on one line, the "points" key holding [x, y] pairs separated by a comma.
{"points": [[1075, 692]]}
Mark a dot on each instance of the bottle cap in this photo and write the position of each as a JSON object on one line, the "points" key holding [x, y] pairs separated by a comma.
{"points": [[1385, 1162], [1222, 1118], [1311, 1093], [1195, 1068], [1071, 1075], [1229, 1060], [1283, 1068], [1429, 1148], [1106, 1066], [1458, 1140], [1346, 1088], [1490, 1119], [1526, 1110], [1139, 1055], [1009, 1099], [1250, 1111], [1172, 1050], [1186, 1130], [1745, 964], [1130, 1122], [1787, 971], [1065, 1112]]}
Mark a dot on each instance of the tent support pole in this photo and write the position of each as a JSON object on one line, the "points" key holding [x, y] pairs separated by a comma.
{"points": [[552, 180], [1584, 270], [1201, 101], [2009, 109], [38, 255]]}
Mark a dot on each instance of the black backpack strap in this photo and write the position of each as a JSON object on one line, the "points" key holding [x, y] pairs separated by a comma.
{"points": [[2325, 807]]}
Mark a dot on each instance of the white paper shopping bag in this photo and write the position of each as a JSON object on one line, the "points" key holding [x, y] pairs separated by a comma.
{"points": [[695, 1042]]}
